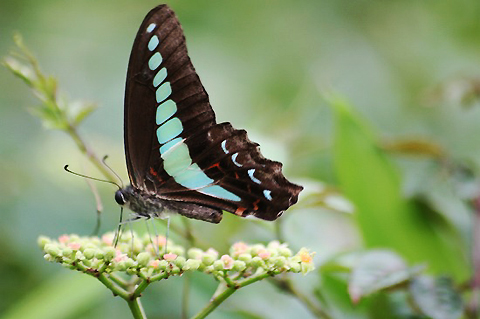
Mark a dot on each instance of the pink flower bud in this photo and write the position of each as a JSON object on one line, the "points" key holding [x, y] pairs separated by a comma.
{"points": [[264, 254], [169, 257], [239, 248], [74, 246], [108, 239], [63, 239], [227, 262]]}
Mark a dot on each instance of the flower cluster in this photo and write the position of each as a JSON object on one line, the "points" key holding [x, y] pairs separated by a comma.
{"points": [[146, 257]]}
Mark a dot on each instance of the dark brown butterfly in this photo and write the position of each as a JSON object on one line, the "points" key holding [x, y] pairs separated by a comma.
{"points": [[178, 158]]}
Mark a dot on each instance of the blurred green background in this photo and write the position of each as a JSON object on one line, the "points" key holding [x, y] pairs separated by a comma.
{"points": [[409, 68]]}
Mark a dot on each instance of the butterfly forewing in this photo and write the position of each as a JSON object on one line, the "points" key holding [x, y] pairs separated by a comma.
{"points": [[174, 147]]}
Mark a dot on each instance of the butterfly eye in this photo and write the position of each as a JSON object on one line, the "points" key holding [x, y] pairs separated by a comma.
{"points": [[120, 198]]}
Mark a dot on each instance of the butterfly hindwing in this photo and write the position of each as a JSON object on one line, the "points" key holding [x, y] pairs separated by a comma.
{"points": [[175, 149]]}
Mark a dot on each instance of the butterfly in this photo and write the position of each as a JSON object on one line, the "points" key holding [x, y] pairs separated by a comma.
{"points": [[179, 159]]}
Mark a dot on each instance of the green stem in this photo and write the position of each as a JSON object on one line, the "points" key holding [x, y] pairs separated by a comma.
{"points": [[118, 280], [140, 288], [225, 291], [136, 308], [214, 303], [115, 288]]}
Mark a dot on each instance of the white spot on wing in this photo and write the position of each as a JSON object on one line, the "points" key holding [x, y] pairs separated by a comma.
{"points": [[224, 146], [234, 160], [253, 178], [267, 194], [151, 27]]}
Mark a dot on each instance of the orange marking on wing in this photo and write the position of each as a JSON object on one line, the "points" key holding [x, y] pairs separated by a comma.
{"points": [[217, 165], [255, 204], [154, 173], [236, 175], [240, 211]]}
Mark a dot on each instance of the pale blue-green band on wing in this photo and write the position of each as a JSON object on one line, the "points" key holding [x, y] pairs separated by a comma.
{"points": [[153, 43], [219, 192], [169, 130], [159, 77], [176, 160], [193, 177], [163, 92], [253, 178], [151, 27], [155, 61], [234, 160], [167, 146], [267, 194], [178, 164], [224, 146], [165, 111]]}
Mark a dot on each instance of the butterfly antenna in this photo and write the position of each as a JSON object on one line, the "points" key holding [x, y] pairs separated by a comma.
{"points": [[89, 177], [104, 161]]}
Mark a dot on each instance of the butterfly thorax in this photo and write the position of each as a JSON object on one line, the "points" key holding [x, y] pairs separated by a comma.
{"points": [[141, 203], [147, 204]]}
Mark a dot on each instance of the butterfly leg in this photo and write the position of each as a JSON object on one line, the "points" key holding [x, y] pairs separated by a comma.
{"points": [[154, 243]]}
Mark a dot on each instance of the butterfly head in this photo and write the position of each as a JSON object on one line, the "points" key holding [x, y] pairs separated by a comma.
{"points": [[121, 197]]}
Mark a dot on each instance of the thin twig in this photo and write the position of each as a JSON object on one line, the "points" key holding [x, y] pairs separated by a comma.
{"points": [[287, 286]]}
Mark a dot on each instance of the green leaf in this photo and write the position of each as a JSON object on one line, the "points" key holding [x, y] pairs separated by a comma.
{"points": [[82, 112], [377, 270], [436, 297], [20, 70], [61, 297], [384, 216]]}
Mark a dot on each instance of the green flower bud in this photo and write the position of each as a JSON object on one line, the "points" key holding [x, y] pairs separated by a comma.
{"points": [[239, 265], [89, 245], [195, 253], [87, 263], [89, 253], [295, 267], [175, 270], [42, 241], [191, 264], [178, 250], [257, 262], [52, 250], [256, 248], [99, 254], [109, 253], [143, 259], [179, 261], [245, 258], [79, 256], [218, 265], [163, 265], [212, 252], [129, 262], [48, 257], [307, 267], [74, 238], [278, 261], [274, 244], [121, 266], [67, 252], [208, 259], [285, 252]]}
